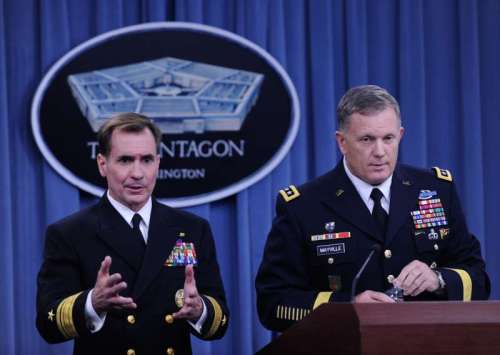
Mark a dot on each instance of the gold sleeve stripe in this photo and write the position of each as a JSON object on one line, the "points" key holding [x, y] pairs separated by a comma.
{"points": [[466, 283], [323, 297], [217, 317], [64, 316]]}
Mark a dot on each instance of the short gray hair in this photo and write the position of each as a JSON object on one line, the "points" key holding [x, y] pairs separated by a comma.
{"points": [[365, 100]]}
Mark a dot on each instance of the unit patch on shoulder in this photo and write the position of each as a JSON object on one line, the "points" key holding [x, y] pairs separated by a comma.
{"points": [[442, 174], [289, 193]]}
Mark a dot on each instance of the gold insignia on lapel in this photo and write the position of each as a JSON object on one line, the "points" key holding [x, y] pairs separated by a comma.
{"points": [[182, 234], [443, 174], [339, 192], [179, 298], [289, 193]]}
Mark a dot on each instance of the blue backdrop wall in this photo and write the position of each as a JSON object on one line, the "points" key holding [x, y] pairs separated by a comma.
{"points": [[439, 58]]}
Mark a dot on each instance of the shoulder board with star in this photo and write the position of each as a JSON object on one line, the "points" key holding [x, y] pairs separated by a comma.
{"points": [[442, 174], [289, 193]]}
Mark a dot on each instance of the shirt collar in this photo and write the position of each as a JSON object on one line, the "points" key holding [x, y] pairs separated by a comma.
{"points": [[365, 189], [127, 213]]}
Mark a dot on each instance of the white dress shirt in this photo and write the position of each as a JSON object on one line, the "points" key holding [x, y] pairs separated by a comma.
{"points": [[365, 189]]}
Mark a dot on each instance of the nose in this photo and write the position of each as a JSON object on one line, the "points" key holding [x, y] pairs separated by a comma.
{"points": [[378, 149], [137, 172]]}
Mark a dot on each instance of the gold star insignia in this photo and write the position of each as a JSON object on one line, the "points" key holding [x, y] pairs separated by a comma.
{"points": [[51, 315]]}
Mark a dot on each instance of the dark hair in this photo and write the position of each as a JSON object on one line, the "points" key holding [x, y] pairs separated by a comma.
{"points": [[127, 122], [365, 100]]}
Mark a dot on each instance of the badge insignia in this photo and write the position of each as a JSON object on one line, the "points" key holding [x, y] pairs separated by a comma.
{"points": [[426, 194], [339, 192], [330, 249], [179, 298], [181, 255], [330, 226], [419, 233], [407, 182], [330, 236], [443, 232], [51, 315], [433, 235], [335, 282], [182, 234]]}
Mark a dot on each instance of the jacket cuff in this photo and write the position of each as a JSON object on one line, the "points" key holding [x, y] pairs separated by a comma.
{"points": [[216, 321], [458, 284]]}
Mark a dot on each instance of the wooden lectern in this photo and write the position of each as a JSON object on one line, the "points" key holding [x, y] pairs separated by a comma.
{"points": [[452, 328]]}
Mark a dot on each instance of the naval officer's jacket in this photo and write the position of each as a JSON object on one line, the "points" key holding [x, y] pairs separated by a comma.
{"points": [[323, 232], [74, 250]]}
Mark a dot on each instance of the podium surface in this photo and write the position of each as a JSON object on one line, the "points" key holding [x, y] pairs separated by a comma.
{"points": [[402, 328]]}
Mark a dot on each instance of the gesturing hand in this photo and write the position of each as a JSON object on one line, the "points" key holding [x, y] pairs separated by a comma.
{"points": [[106, 293], [193, 304], [417, 277]]}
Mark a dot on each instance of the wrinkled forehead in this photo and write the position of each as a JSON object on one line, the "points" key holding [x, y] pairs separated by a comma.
{"points": [[132, 142]]}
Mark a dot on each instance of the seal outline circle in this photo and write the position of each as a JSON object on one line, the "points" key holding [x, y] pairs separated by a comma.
{"points": [[187, 201]]}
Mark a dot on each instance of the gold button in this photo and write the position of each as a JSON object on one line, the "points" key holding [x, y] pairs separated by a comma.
{"points": [[169, 319], [387, 253], [130, 352], [434, 265], [436, 247], [170, 351], [390, 279], [330, 261], [131, 319]]}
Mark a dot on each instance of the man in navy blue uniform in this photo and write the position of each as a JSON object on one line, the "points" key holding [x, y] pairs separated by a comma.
{"points": [[129, 275], [325, 229]]}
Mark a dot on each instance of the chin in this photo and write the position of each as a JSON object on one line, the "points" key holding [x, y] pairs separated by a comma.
{"points": [[377, 179]]}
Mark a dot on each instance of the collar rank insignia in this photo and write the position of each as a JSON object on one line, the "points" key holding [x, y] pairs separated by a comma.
{"points": [[443, 174], [181, 255], [289, 193]]}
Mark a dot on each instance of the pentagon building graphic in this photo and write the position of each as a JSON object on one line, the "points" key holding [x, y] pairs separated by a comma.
{"points": [[180, 96]]}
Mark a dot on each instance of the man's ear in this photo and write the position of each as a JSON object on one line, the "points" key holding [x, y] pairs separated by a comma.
{"points": [[101, 164], [339, 136]]}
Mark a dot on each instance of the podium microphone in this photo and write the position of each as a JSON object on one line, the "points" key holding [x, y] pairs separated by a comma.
{"points": [[374, 248]]}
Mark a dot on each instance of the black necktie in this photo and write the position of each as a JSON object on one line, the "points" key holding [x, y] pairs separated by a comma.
{"points": [[378, 212], [136, 221]]}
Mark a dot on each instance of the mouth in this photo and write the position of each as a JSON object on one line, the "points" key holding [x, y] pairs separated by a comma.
{"points": [[134, 188], [378, 166]]}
